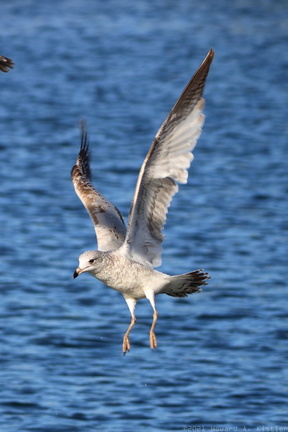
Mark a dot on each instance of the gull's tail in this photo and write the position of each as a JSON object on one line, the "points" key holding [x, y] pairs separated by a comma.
{"points": [[188, 283]]}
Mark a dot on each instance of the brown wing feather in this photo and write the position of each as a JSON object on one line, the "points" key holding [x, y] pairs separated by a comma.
{"points": [[108, 222]]}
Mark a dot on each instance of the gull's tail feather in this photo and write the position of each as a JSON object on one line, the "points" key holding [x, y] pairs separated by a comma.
{"points": [[188, 283]]}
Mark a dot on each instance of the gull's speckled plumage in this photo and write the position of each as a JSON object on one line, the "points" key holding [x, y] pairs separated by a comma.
{"points": [[125, 259]]}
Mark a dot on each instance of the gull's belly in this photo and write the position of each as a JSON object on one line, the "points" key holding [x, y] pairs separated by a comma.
{"points": [[130, 278]]}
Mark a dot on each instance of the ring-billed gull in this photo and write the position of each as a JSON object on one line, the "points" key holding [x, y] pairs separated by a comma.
{"points": [[125, 258]]}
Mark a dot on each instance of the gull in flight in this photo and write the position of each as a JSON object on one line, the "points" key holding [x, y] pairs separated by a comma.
{"points": [[126, 257], [5, 64]]}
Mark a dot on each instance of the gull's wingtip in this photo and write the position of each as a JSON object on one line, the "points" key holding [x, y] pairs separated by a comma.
{"points": [[84, 146], [82, 169], [209, 57]]}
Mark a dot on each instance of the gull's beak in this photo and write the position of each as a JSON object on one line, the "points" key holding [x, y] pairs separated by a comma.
{"points": [[77, 272]]}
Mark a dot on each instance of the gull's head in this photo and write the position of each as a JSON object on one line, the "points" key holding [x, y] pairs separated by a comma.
{"points": [[88, 262]]}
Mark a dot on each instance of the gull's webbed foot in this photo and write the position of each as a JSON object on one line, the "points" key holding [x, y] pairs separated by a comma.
{"points": [[125, 344], [153, 340]]}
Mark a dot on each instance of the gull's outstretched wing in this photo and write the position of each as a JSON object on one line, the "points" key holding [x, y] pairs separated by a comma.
{"points": [[165, 165], [108, 222], [5, 64]]}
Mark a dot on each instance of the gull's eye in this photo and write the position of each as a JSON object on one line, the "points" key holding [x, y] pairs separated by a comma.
{"points": [[91, 261]]}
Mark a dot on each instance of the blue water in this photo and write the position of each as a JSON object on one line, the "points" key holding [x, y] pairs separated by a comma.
{"points": [[223, 354]]}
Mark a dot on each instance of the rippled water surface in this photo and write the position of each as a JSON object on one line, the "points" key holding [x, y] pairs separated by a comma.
{"points": [[222, 355]]}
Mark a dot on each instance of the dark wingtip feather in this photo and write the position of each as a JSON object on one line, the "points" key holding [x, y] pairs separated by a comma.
{"points": [[82, 166], [83, 160], [84, 136], [194, 89]]}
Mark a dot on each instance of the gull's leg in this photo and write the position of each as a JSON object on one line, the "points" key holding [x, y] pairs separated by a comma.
{"points": [[153, 340], [126, 343], [151, 297]]}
